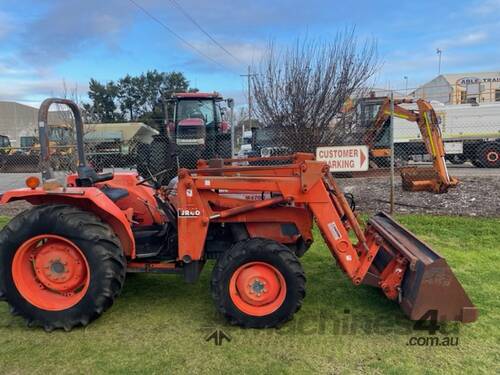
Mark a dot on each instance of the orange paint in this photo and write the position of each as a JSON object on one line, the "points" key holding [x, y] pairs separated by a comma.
{"points": [[51, 272], [257, 288]]}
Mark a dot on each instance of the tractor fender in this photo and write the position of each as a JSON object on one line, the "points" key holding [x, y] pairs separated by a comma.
{"points": [[88, 199]]}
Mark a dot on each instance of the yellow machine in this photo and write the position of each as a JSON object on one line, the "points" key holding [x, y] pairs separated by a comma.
{"points": [[435, 179]]}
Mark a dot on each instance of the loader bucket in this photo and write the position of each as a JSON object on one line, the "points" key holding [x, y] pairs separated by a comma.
{"points": [[428, 283]]}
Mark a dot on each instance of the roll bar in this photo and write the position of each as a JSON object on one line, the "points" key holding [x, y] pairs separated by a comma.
{"points": [[43, 114]]}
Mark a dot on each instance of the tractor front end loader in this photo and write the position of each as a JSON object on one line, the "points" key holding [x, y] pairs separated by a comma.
{"points": [[63, 262]]}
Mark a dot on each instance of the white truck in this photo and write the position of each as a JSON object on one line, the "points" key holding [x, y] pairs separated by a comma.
{"points": [[471, 132], [261, 143], [246, 143]]}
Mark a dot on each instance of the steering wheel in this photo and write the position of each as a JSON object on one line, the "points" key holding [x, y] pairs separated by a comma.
{"points": [[153, 178]]}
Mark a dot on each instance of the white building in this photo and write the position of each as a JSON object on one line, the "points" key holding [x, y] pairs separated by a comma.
{"points": [[461, 88], [19, 122]]}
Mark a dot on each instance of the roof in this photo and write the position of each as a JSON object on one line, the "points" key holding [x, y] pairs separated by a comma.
{"points": [[378, 92], [26, 113], [8, 102], [198, 95], [366, 92], [122, 130], [455, 77]]}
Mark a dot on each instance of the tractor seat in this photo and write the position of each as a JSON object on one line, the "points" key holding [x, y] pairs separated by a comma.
{"points": [[114, 194]]}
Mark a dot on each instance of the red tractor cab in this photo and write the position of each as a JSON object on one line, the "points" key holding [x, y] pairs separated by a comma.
{"points": [[197, 126], [186, 111]]}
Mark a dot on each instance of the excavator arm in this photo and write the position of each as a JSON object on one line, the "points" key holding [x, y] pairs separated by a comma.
{"points": [[384, 114], [431, 134], [436, 179]]}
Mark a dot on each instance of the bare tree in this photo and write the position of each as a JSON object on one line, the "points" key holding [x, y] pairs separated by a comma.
{"points": [[65, 116], [300, 91]]}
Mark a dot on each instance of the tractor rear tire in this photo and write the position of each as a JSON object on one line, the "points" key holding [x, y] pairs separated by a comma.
{"points": [[258, 283], [60, 267]]}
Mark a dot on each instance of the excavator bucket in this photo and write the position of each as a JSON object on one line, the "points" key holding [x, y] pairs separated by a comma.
{"points": [[424, 179], [428, 283]]}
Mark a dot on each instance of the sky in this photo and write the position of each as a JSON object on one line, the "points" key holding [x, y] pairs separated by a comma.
{"points": [[49, 45]]}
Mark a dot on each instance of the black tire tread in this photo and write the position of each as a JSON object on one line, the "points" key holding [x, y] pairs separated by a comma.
{"points": [[88, 228], [250, 245]]}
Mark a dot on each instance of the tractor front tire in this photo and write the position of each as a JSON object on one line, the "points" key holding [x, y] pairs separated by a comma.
{"points": [[258, 283], [60, 267]]}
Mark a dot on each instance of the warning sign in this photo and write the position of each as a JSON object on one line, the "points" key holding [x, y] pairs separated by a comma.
{"points": [[344, 158]]}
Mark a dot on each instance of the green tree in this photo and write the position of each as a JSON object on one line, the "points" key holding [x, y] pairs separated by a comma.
{"points": [[132, 96], [135, 98], [103, 101], [159, 87]]}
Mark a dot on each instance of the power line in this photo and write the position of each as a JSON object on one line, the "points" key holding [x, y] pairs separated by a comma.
{"points": [[162, 24], [188, 16]]}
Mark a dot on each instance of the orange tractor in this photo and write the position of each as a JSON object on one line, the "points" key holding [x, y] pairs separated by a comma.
{"points": [[64, 261]]}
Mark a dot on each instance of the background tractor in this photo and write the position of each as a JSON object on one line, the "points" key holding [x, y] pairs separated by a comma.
{"points": [[27, 158], [197, 126], [63, 262]]}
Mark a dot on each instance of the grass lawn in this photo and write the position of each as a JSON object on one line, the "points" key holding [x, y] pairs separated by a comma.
{"points": [[159, 324]]}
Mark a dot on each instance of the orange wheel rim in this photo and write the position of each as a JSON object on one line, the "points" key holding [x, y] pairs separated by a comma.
{"points": [[257, 288], [51, 272]]}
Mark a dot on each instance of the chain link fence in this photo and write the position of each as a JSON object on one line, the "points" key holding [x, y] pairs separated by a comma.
{"points": [[370, 151]]}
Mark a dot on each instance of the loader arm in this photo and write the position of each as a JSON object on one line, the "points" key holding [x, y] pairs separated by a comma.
{"points": [[416, 179], [386, 255]]}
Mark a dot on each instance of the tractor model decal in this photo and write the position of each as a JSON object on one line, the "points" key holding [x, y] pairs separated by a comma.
{"points": [[188, 212]]}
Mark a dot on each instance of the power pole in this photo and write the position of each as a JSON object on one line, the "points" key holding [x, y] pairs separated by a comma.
{"points": [[391, 192], [249, 76], [439, 51]]}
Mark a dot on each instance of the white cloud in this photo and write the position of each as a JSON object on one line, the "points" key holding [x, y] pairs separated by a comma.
{"points": [[474, 38], [8, 71], [245, 53], [5, 24], [11, 68], [71, 26], [471, 38], [28, 90], [488, 7]]}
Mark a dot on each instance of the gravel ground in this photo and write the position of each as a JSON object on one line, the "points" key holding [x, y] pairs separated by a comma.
{"points": [[474, 196], [12, 209]]}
